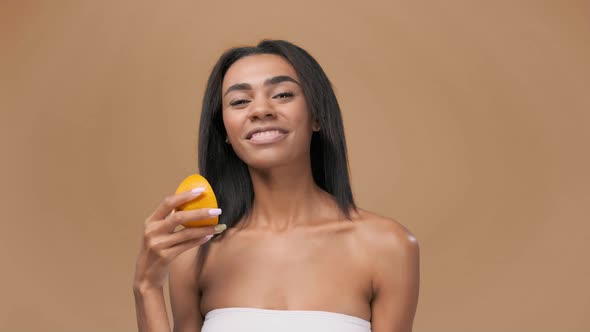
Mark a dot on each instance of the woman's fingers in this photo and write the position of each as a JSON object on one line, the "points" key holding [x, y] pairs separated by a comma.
{"points": [[171, 202], [189, 234], [161, 244], [186, 245], [180, 217]]}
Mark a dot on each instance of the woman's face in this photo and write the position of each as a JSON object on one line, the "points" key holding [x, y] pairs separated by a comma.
{"points": [[265, 113]]}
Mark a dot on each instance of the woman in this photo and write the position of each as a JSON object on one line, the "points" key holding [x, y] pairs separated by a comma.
{"points": [[297, 255]]}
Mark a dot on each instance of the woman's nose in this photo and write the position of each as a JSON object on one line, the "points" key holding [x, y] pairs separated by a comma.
{"points": [[261, 108]]}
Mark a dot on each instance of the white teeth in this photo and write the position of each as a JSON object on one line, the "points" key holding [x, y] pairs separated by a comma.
{"points": [[266, 133]]}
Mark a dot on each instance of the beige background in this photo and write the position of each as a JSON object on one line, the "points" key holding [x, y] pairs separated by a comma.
{"points": [[467, 121]]}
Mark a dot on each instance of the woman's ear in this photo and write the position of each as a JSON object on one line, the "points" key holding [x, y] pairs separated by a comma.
{"points": [[315, 126]]}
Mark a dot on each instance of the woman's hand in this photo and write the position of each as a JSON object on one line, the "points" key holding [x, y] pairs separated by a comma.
{"points": [[161, 244]]}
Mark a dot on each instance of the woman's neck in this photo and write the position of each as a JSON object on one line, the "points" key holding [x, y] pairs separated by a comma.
{"points": [[286, 197]]}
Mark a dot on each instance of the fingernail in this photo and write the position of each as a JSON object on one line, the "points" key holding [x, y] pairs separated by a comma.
{"points": [[214, 212], [208, 237], [198, 190], [220, 228]]}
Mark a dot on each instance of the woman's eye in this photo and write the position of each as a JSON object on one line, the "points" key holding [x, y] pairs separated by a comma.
{"points": [[283, 95], [238, 102], [243, 102]]}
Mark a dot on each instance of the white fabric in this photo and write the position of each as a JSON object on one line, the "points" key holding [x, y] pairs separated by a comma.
{"points": [[267, 320]]}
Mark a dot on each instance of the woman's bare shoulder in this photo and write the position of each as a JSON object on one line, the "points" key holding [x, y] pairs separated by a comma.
{"points": [[395, 272], [384, 233]]}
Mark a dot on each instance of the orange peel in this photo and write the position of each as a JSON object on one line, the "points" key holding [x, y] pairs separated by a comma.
{"points": [[205, 200]]}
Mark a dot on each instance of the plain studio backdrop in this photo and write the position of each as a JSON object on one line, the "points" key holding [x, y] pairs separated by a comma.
{"points": [[467, 121]]}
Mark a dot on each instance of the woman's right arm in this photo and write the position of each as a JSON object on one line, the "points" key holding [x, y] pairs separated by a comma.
{"points": [[161, 245], [184, 292], [150, 309]]}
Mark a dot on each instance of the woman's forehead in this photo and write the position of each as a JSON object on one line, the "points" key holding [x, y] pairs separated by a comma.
{"points": [[255, 69]]}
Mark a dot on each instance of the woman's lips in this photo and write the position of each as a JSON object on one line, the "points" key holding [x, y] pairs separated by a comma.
{"points": [[267, 137]]}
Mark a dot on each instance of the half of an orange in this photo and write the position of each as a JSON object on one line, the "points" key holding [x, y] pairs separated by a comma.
{"points": [[206, 200]]}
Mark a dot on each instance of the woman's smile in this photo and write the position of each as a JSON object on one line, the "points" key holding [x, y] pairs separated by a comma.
{"points": [[267, 137]]}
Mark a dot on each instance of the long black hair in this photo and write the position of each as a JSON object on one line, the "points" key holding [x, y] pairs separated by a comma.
{"points": [[228, 174]]}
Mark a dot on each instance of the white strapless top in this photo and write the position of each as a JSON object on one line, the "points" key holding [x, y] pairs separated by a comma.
{"points": [[270, 320]]}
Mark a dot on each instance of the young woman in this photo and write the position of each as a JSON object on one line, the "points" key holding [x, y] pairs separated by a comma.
{"points": [[297, 254]]}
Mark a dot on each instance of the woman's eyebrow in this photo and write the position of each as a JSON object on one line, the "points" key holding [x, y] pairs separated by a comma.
{"points": [[270, 81]]}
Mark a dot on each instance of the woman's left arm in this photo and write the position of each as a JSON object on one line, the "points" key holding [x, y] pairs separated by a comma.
{"points": [[396, 283]]}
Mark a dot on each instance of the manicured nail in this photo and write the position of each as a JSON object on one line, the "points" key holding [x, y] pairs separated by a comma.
{"points": [[208, 237], [198, 190], [214, 212], [220, 228]]}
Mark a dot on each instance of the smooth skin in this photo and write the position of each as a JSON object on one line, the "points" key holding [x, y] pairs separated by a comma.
{"points": [[295, 251], [160, 246]]}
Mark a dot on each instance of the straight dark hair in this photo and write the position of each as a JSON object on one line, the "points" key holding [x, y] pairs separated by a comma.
{"points": [[228, 174]]}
